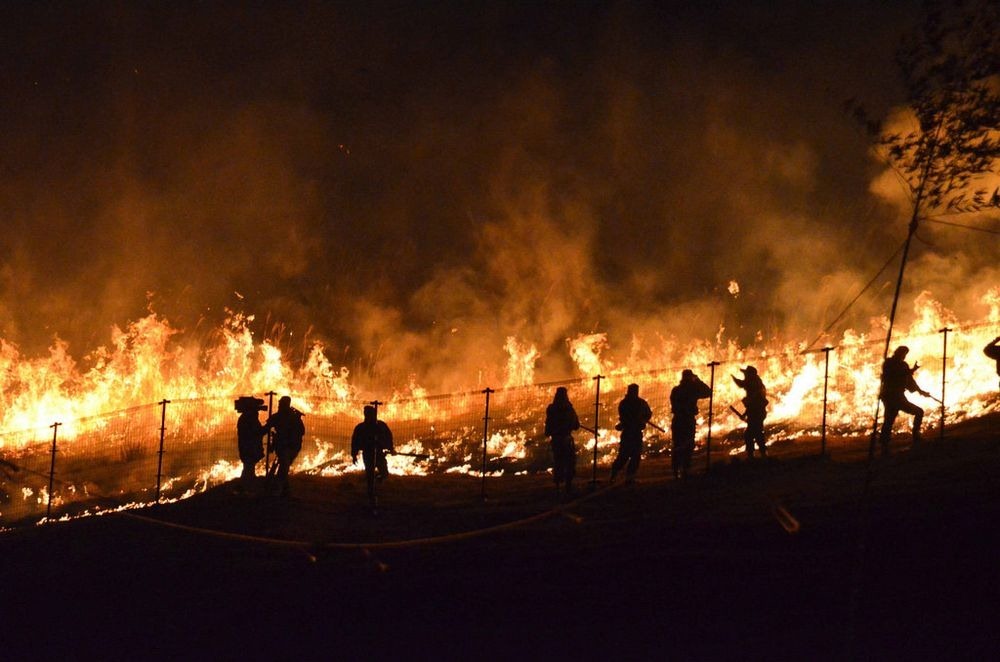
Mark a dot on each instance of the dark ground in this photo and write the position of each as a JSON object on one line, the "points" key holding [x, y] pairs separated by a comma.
{"points": [[700, 570]]}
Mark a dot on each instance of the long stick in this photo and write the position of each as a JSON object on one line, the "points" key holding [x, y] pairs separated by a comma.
{"points": [[944, 368], [52, 468], [597, 424], [159, 462], [826, 381], [711, 401], [419, 456], [270, 433], [914, 220]]}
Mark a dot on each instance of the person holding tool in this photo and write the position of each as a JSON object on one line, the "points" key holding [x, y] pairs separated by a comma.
{"points": [[684, 407], [897, 379], [560, 423], [755, 403], [288, 432], [373, 439], [634, 415]]}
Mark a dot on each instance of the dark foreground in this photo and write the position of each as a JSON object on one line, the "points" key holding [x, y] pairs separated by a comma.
{"points": [[711, 569]]}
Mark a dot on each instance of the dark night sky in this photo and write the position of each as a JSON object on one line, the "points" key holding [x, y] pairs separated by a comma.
{"points": [[381, 174]]}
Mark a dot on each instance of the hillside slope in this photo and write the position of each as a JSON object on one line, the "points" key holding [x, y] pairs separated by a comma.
{"points": [[795, 558]]}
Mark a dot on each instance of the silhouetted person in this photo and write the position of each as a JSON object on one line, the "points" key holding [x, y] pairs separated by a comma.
{"points": [[372, 438], [897, 379], [755, 404], [288, 432], [560, 422], [993, 351], [684, 407], [633, 414], [249, 437]]}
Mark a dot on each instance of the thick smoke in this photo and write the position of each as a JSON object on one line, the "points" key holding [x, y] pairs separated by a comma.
{"points": [[413, 186]]}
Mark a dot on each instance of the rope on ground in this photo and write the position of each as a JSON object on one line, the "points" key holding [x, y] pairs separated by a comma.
{"points": [[413, 542]]}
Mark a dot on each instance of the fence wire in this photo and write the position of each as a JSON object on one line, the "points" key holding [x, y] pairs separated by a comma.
{"points": [[176, 448]]}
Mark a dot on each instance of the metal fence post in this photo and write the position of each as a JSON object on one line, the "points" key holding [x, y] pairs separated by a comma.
{"points": [[826, 382], [944, 368], [486, 432], [52, 468], [711, 413], [270, 433], [159, 463], [597, 424]]}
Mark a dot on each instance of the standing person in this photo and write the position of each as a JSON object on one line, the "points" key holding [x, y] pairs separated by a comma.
{"points": [[992, 350], [897, 379], [684, 406], [633, 415], [249, 437], [755, 402], [560, 422], [372, 438], [288, 432]]}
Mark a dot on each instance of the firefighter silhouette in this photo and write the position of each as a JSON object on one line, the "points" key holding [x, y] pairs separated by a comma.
{"points": [[560, 423], [684, 409], [288, 432], [373, 439], [633, 415], [755, 403], [897, 379]]}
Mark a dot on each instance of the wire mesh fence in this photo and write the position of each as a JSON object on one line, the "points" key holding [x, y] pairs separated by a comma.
{"points": [[176, 448]]}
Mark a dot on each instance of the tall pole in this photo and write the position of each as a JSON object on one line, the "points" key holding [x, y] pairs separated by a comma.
{"points": [[944, 368], [597, 424], [370, 477], [914, 220], [486, 433], [163, 430], [52, 468], [711, 411], [826, 382], [270, 433]]}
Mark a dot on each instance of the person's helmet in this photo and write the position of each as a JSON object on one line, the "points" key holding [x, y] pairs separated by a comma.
{"points": [[687, 374], [633, 389], [284, 401], [901, 351], [749, 370]]}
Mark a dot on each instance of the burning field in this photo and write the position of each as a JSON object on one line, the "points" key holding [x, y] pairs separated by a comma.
{"points": [[153, 418], [454, 211]]}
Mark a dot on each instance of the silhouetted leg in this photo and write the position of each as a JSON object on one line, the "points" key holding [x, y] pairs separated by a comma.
{"points": [[246, 478], [569, 468], [620, 461], [634, 457], [368, 459], [558, 461], [886, 435], [918, 417], [383, 465], [283, 476]]}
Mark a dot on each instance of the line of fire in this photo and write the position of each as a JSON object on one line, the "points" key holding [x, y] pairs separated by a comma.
{"points": [[144, 427], [675, 209]]}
